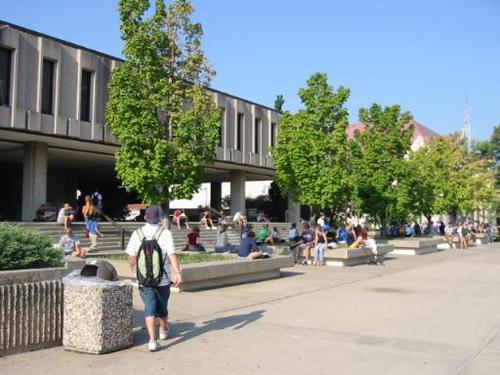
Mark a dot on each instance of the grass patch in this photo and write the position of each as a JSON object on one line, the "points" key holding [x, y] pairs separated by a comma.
{"points": [[184, 258]]}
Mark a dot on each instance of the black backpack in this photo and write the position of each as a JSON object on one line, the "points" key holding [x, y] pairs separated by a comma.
{"points": [[150, 260]]}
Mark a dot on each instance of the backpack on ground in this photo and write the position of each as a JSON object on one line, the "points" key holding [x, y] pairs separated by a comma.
{"points": [[150, 260]]}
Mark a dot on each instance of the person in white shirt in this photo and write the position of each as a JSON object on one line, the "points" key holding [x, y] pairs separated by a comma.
{"points": [[222, 245], [65, 215], [156, 298], [321, 220]]}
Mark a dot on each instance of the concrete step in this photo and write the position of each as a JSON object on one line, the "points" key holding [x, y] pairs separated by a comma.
{"points": [[112, 236]]}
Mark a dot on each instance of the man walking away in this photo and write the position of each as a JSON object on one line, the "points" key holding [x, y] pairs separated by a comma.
{"points": [[153, 245]]}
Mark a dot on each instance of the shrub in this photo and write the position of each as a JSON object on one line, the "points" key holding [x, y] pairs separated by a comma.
{"points": [[21, 248]]}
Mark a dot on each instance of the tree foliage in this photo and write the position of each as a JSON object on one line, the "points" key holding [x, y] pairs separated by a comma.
{"points": [[159, 109], [312, 156], [457, 182], [380, 169], [278, 102]]}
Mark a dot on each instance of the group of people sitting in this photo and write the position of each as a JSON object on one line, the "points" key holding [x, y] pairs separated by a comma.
{"points": [[323, 237], [251, 243], [180, 219], [466, 233]]}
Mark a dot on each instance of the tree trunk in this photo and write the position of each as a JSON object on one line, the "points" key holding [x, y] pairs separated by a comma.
{"points": [[383, 225]]}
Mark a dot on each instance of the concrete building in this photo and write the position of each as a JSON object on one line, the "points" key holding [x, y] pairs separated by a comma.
{"points": [[53, 139]]}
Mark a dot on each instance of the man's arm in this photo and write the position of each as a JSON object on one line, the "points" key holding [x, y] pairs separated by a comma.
{"points": [[132, 247], [176, 269], [132, 262]]}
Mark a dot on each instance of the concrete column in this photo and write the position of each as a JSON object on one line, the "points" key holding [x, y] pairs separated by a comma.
{"points": [[293, 209], [238, 192], [216, 195], [34, 179]]}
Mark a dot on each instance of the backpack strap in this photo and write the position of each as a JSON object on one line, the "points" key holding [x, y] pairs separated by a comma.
{"points": [[157, 236], [140, 234], [158, 233]]}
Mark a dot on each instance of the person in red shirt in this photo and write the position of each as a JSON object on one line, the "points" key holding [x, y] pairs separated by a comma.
{"points": [[180, 218], [193, 243]]}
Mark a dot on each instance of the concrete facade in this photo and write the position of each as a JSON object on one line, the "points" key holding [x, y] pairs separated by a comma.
{"points": [[245, 134], [34, 178]]}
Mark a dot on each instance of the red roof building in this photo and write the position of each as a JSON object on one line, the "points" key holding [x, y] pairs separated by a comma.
{"points": [[420, 136]]}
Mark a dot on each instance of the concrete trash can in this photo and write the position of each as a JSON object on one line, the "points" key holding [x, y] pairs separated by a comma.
{"points": [[97, 314]]}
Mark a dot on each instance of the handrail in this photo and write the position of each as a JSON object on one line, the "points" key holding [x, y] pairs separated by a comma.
{"points": [[213, 210], [118, 227]]}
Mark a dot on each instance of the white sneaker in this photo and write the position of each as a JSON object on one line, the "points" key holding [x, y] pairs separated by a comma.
{"points": [[153, 346], [163, 334]]}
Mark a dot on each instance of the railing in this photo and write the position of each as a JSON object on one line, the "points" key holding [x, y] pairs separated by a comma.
{"points": [[117, 227]]}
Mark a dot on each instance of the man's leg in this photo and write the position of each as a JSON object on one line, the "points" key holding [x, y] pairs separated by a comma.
{"points": [[151, 327], [163, 324], [163, 297]]}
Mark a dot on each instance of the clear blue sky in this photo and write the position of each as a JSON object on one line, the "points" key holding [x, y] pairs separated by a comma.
{"points": [[424, 55]]}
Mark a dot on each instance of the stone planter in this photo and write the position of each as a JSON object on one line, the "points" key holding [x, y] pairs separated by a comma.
{"points": [[343, 257], [31, 308], [416, 246]]}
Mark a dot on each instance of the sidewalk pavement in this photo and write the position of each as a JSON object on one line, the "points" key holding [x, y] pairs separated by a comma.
{"points": [[430, 314]]}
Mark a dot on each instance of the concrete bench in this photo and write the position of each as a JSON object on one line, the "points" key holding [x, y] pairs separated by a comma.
{"points": [[197, 276], [230, 272], [276, 250], [478, 240], [416, 246], [343, 257]]}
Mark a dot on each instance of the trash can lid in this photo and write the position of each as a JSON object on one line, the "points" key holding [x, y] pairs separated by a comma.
{"points": [[100, 268]]}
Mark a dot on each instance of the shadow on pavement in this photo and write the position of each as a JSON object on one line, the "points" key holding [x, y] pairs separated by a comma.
{"points": [[184, 331]]}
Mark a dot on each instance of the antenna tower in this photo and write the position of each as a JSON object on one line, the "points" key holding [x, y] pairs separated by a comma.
{"points": [[467, 123]]}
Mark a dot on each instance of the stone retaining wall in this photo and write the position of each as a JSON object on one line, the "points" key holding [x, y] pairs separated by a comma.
{"points": [[31, 308]]}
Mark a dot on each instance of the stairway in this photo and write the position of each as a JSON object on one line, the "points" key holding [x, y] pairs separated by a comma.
{"points": [[112, 239]]}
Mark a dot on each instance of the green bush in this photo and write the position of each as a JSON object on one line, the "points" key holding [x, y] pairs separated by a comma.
{"points": [[21, 248]]}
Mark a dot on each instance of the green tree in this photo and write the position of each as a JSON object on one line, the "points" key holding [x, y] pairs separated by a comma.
{"points": [[312, 156], [278, 103], [380, 169], [456, 182], [159, 109], [482, 149], [495, 141], [278, 204]]}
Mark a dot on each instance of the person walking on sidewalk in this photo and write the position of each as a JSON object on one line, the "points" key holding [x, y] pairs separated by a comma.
{"points": [[154, 289]]}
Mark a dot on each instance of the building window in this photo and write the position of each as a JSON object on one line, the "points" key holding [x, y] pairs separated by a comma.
{"points": [[221, 128], [239, 131], [256, 136], [273, 134], [85, 95], [47, 86], [5, 56]]}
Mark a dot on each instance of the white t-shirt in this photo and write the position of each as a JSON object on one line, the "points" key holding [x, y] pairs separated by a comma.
{"points": [[60, 216], [221, 239], [165, 241]]}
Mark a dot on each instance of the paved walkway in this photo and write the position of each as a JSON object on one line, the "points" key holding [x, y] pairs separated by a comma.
{"points": [[431, 314]]}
